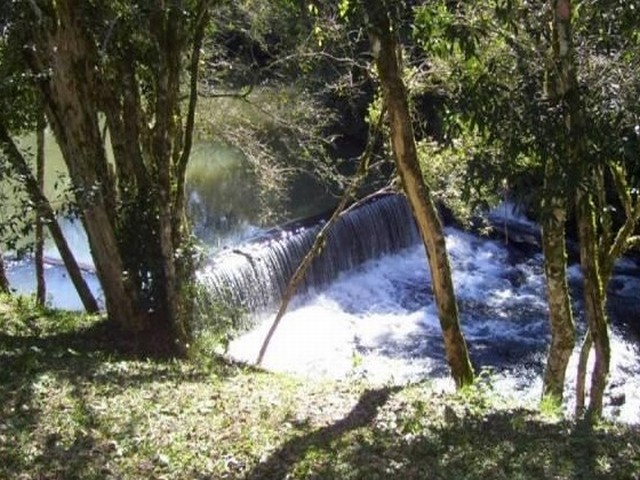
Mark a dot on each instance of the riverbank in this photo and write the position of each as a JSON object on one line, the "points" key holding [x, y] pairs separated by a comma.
{"points": [[75, 404]]}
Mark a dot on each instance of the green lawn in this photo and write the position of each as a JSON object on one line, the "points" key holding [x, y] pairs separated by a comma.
{"points": [[75, 404]]}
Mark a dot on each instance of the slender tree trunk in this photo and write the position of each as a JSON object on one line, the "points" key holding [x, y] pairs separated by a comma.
{"points": [[45, 212], [318, 243], [560, 313], [581, 374], [384, 47], [560, 82], [564, 88], [595, 299], [4, 282], [166, 150], [84, 292], [41, 289], [599, 251]]}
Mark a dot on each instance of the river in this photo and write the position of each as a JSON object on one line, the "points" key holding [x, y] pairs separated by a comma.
{"points": [[377, 319]]}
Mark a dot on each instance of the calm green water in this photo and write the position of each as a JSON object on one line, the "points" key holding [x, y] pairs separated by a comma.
{"points": [[227, 198]]}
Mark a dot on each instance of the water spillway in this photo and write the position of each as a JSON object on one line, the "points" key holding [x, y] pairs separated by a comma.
{"points": [[255, 275], [379, 321], [369, 309]]}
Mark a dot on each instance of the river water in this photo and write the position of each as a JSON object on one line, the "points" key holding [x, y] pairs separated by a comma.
{"points": [[379, 322]]}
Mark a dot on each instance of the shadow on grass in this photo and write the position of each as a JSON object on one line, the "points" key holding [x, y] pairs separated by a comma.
{"points": [[513, 444], [58, 434], [56, 385], [361, 415]]}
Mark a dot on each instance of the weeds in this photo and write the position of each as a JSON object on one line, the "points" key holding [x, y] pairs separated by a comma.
{"points": [[73, 405]]}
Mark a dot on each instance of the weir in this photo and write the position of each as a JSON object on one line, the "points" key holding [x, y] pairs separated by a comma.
{"points": [[255, 275]]}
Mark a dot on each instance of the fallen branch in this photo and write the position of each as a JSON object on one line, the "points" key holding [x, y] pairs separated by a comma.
{"points": [[320, 239]]}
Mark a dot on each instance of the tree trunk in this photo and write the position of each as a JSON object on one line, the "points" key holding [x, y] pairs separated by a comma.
{"points": [[581, 374], [595, 299], [132, 208], [560, 84], [4, 282], [555, 268], [564, 89], [46, 213], [41, 289], [319, 242], [70, 104], [384, 48]]}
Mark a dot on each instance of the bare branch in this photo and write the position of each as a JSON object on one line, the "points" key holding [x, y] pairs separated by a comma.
{"points": [[241, 95], [623, 239], [320, 239], [201, 23]]}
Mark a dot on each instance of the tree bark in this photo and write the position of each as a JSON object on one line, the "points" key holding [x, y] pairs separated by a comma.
{"points": [[555, 268], [581, 374], [595, 300], [41, 287], [590, 188], [560, 82], [4, 282], [71, 108], [46, 213], [384, 48]]}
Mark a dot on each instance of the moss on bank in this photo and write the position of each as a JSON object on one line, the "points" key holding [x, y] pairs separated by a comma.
{"points": [[75, 404]]}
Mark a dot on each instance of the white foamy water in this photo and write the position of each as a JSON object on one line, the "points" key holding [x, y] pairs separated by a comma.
{"points": [[60, 290], [379, 321]]}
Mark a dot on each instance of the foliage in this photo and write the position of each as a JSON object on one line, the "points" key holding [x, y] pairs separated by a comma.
{"points": [[278, 132], [118, 67], [492, 82], [216, 321], [19, 103], [284, 84], [488, 61], [75, 404]]}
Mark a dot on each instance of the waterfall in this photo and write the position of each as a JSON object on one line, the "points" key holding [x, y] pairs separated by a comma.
{"points": [[255, 275]]}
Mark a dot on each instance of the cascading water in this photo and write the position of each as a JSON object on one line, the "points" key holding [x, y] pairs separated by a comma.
{"points": [[368, 310], [256, 275], [377, 319]]}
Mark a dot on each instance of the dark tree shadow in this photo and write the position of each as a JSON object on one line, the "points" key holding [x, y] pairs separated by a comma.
{"points": [[75, 358], [362, 414], [503, 445]]}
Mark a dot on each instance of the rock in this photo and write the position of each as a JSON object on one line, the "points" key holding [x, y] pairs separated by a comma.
{"points": [[618, 399]]}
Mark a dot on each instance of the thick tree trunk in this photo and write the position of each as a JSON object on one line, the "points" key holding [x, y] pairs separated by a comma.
{"points": [[4, 282], [70, 104], [384, 48], [41, 288], [45, 212], [132, 208]]}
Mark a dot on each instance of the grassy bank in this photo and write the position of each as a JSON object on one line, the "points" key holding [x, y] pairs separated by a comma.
{"points": [[75, 404]]}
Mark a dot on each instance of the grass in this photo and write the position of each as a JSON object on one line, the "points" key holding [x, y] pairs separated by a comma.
{"points": [[75, 404]]}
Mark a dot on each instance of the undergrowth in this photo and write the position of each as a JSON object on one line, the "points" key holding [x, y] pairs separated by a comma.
{"points": [[73, 405]]}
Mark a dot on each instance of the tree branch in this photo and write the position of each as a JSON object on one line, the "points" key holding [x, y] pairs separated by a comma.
{"points": [[201, 24], [320, 239], [242, 95], [16, 159], [623, 238]]}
